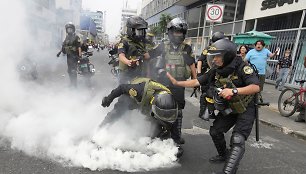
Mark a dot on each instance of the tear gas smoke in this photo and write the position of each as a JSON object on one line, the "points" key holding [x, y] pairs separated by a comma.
{"points": [[50, 121]]}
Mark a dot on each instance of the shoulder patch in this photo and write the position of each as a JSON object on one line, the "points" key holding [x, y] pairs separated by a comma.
{"points": [[248, 70], [133, 92], [120, 45], [204, 52]]}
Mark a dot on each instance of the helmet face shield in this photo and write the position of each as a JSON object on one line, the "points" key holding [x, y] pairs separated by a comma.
{"points": [[140, 32], [166, 115], [215, 60]]}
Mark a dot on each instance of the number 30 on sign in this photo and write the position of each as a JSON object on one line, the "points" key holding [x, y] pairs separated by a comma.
{"points": [[214, 12]]}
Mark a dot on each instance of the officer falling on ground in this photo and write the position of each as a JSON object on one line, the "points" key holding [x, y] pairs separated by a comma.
{"points": [[151, 98], [175, 58], [235, 85], [72, 47]]}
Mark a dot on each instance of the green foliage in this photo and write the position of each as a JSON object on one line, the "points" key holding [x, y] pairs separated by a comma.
{"points": [[164, 20]]}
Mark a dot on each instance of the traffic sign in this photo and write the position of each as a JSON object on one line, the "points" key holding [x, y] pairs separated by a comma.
{"points": [[214, 12]]}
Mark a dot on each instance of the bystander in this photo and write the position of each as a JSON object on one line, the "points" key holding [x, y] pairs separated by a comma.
{"points": [[283, 69]]}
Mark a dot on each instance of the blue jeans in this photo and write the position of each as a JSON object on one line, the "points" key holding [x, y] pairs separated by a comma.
{"points": [[282, 77]]}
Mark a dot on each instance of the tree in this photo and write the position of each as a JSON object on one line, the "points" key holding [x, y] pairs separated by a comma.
{"points": [[164, 20], [156, 30]]}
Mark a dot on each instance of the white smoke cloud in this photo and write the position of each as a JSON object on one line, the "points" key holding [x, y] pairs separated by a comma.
{"points": [[48, 120]]}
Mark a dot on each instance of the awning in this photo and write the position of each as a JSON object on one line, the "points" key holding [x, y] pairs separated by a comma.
{"points": [[249, 38]]}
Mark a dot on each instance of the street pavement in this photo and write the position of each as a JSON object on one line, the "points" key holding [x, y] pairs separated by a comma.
{"points": [[275, 153]]}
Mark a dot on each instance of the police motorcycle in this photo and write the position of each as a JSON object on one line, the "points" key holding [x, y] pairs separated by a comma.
{"points": [[27, 69], [85, 68]]}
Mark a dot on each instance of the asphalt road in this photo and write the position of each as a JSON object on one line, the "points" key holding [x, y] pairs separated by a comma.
{"points": [[276, 153]]}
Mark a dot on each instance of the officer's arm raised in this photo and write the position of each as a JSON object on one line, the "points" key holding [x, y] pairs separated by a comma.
{"points": [[124, 60], [189, 83]]}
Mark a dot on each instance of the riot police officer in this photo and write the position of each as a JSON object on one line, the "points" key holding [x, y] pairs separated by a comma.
{"points": [[151, 98], [131, 49], [149, 64], [72, 47], [235, 85], [202, 67], [177, 59]]}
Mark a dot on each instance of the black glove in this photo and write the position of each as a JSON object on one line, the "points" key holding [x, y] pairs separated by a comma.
{"points": [[58, 54], [106, 102], [199, 74]]}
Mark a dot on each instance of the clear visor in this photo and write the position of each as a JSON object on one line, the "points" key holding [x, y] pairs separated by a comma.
{"points": [[167, 115], [140, 32], [210, 59]]}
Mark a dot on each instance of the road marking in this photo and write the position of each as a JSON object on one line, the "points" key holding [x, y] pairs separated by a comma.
{"points": [[194, 101], [263, 143], [196, 131]]}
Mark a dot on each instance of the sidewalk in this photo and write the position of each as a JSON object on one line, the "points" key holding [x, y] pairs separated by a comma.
{"points": [[269, 115], [272, 117]]}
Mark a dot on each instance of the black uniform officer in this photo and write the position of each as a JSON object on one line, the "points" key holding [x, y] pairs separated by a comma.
{"points": [[72, 47], [85, 45], [235, 84], [132, 49], [202, 67], [177, 59]]}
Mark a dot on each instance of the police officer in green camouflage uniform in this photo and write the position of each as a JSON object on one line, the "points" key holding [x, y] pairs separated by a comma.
{"points": [[72, 47], [149, 64], [177, 59], [132, 49], [150, 97], [235, 85]]}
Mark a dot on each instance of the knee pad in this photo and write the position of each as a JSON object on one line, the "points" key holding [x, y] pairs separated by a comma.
{"points": [[238, 140]]}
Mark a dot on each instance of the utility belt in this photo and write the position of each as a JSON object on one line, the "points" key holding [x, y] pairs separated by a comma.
{"points": [[70, 49]]}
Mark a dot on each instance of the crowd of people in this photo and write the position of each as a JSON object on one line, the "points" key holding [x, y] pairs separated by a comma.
{"points": [[153, 79]]}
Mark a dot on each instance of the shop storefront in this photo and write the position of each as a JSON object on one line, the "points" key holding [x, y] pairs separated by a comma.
{"points": [[285, 20]]}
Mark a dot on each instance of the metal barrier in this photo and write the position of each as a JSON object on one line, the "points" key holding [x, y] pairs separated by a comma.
{"points": [[285, 40]]}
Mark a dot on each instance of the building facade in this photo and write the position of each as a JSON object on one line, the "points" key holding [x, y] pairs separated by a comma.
{"points": [[126, 13], [98, 18], [283, 19]]}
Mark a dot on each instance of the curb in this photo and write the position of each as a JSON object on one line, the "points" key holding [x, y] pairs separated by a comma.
{"points": [[284, 129]]}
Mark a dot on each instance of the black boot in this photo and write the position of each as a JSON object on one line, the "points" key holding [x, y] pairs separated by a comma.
{"points": [[180, 151], [220, 145], [235, 155], [176, 129]]}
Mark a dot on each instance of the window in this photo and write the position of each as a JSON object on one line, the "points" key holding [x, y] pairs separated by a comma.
{"points": [[192, 33], [229, 10], [193, 17], [278, 22], [249, 25]]}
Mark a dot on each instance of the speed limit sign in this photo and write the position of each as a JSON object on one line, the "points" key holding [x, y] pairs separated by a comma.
{"points": [[214, 12]]}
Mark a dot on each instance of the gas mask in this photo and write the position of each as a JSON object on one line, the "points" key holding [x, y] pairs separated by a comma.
{"points": [[70, 31]]}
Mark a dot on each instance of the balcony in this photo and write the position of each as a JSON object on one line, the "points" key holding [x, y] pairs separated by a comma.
{"points": [[185, 2]]}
